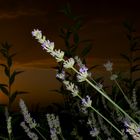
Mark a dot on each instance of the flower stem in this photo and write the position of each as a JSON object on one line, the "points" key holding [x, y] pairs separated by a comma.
{"points": [[110, 100], [40, 133], [107, 97], [103, 117]]}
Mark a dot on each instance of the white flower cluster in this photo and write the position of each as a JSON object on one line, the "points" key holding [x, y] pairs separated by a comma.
{"points": [[92, 123], [26, 115], [133, 130], [86, 101], [69, 63], [108, 66], [61, 75], [82, 76], [94, 132], [48, 46], [71, 87], [9, 126], [54, 124], [30, 134]]}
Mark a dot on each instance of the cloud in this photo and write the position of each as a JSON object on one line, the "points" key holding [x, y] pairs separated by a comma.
{"points": [[38, 64], [17, 8], [19, 13]]}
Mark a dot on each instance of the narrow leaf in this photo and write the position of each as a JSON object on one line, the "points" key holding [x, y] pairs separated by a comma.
{"points": [[4, 89], [125, 57], [86, 50], [13, 75], [6, 70]]}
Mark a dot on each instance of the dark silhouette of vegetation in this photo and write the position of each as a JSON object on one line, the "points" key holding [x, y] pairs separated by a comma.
{"points": [[10, 73]]}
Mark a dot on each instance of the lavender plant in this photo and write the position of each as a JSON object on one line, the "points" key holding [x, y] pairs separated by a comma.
{"points": [[81, 76], [10, 73]]}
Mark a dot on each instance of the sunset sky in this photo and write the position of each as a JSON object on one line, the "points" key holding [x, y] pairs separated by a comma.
{"points": [[102, 23]]}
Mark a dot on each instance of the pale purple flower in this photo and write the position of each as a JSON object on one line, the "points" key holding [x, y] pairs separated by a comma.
{"points": [[61, 75], [30, 134], [26, 115], [87, 101], [54, 124], [82, 76], [48, 46], [37, 34], [83, 69]]}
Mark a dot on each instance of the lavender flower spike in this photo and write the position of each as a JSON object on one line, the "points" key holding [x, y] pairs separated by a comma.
{"points": [[26, 115]]}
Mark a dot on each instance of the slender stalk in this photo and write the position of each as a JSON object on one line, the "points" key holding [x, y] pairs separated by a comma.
{"points": [[40, 133], [122, 91], [103, 117], [110, 100], [107, 97]]}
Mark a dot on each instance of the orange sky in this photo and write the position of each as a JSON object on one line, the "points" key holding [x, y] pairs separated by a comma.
{"points": [[103, 24]]}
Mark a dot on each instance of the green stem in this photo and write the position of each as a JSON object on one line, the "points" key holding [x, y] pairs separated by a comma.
{"points": [[103, 117], [109, 99], [40, 133], [122, 92]]}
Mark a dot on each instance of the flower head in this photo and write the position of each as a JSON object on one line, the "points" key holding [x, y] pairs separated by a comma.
{"points": [[83, 69], [26, 115], [82, 76], [113, 77], [37, 34], [48, 46], [69, 63], [71, 87], [61, 75], [9, 126], [108, 66], [87, 102], [30, 134], [58, 55], [94, 132]]}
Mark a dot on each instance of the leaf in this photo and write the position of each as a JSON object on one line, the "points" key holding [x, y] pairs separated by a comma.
{"points": [[15, 94], [6, 70], [76, 38], [4, 89], [136, 59], [77, 26], [125, 57], [92, 67], [86, 50], [9, 60], [136, 81], [13, 75], [135, 68]]}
